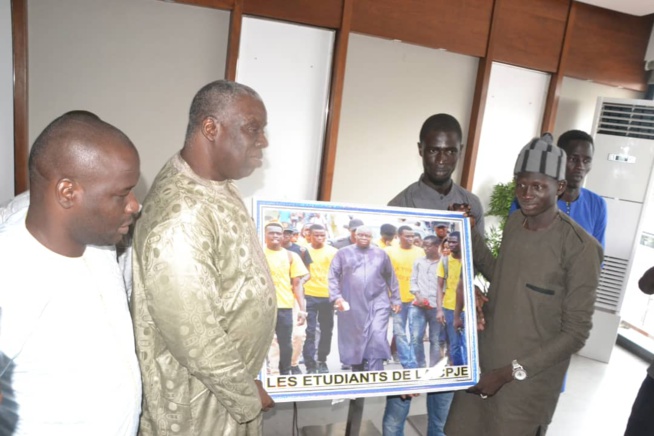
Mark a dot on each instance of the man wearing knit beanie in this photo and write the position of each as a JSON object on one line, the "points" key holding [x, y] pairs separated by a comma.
{"points": [[584, 206], [540, 306]]}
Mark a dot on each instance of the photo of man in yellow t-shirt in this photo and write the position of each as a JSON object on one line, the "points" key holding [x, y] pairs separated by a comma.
{"points": [[287, 270], [403, 257], [320, 311], [449, 274]]}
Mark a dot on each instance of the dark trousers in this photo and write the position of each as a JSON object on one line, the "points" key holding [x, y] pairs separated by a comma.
{"points": [[320, 311], [284, 331], [641, 421]]}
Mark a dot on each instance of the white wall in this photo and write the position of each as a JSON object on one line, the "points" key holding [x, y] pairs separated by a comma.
{"points": [[136, 64], [6, 104], [514, 113], [577, 102], [391, 88], [290, 67]]}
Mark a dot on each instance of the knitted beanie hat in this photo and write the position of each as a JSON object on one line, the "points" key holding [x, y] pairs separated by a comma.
{"points": [[542, 156]]}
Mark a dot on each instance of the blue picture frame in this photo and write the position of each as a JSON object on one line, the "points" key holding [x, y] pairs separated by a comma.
{"points": [[394, 379]]}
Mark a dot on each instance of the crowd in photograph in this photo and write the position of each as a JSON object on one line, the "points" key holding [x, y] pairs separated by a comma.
{"points": [[358, 282]]}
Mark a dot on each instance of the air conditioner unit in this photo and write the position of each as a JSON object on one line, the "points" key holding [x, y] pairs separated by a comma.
{"points": [[623, 131]]}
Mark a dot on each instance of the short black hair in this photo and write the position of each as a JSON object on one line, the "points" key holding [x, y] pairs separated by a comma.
{"points": [[388, 230], [53, 129], [316, 227], [574, 135], [213, 100], [69, 140], [430, 238], [403, 229], [441, 122], [456, 235]]}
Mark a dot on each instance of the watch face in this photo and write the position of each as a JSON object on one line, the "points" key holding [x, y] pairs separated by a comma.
{"points": [[520, 374]]}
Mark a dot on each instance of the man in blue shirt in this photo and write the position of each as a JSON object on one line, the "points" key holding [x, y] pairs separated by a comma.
{"points": [[584, 206]]}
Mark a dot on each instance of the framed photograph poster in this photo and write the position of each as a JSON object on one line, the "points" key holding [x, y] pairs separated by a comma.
{"points": [[358, 296]]}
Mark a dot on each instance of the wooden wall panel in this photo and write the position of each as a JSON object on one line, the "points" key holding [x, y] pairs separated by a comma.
{"points": [[479, 102], [608, 47], [321, 13], [459, 26], [530, 33], [20, 49], [335, 102], [216, 4], [234, 42], [556, 81]]}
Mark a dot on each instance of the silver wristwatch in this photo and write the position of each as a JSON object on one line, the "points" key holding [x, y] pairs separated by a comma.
{"points": [[519, 372]]}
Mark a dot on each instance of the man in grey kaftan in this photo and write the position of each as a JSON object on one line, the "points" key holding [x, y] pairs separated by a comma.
{"points": [[360, 278]]}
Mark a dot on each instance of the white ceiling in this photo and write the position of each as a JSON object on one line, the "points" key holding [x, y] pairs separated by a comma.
{"points": [[633, 7]]}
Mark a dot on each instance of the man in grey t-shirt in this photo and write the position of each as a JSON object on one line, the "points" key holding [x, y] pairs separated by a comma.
{"points": [[440, 146]]}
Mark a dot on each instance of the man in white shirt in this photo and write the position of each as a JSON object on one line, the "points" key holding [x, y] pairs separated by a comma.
{"points": [[67, 359]]}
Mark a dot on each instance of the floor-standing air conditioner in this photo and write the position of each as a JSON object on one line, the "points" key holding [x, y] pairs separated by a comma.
{"points": [[623, 131]]}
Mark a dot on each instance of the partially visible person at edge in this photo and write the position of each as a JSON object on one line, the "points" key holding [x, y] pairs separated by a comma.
{"points": [[67, 360], [582, 205], [204, 304], [540, 308], [440, 146], [364, 291], [441, 230], [449, 275], [641, 420]]}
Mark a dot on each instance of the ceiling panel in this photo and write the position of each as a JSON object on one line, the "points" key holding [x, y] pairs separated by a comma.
{"points": [[632, 7]]}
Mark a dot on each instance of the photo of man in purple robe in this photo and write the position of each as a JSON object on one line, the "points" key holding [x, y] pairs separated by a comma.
{"points": [[360, 277]]}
